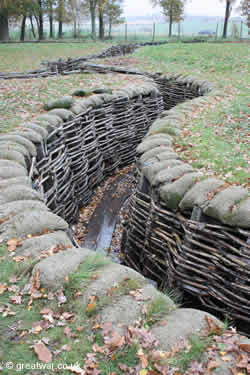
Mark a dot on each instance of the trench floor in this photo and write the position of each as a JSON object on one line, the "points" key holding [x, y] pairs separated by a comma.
{"points": [[99, 227]]}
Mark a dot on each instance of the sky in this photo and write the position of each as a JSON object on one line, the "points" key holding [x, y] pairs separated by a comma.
{"points": [[193, 7]]}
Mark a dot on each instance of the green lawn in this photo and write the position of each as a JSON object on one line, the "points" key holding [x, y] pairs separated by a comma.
{"points": [[214, 136], [21, 57]]}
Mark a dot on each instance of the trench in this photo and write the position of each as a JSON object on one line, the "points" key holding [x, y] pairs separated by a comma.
{"points": [[81, 170]]}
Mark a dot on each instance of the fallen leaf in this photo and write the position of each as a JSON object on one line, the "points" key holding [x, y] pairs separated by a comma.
{"points": [[12, 279], [144, 361], [76, 370], [16, 300], [66, 347], [245, 347], [19, 258], [46, 311], [67, 315], [3, 220], [115, 341], [212, 365], [43, 353], [49, 318], [12, 244], [67, 332], [35, 280], [106, 327], [60, 296], [3, 288], [37, 330], [213, 327], [91, 308]]}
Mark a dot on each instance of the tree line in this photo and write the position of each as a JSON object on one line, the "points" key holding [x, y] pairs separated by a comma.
{"points": [[107, 12], [61, 11]]}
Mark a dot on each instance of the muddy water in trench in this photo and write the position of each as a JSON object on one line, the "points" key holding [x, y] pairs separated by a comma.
{"points": [[99, 227]]}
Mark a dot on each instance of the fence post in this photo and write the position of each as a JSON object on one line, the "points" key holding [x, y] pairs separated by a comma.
{"points": [[179, 31], [126, 32], [216, 34], [153, 32], [241, 29]]}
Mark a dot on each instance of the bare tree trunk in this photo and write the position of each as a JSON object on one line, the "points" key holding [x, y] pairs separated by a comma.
{"points": [[32, 27], [227, 15], [60, 19], [170, 23], [40, 28], [110, 27], [22, 34], [51, 31], [93, 17], [101, 26], [75, 28], [4, 27], [60, 30]]}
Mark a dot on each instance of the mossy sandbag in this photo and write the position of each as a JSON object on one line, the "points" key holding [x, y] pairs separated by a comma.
{"points": [[64, 102]]}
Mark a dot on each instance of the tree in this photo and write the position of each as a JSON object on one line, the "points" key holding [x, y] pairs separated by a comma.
{"points": [[13, 8], [91, 6], [27, 8], [76, 9], [228, 12], [113, 13], [101, 6], [50, 11], [172, 10], [60, 17], [244, 11], [4, 20]]}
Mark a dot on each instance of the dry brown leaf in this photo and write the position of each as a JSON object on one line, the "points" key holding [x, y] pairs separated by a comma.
{"points": [[16, 300], [144, 361], [67, 332], [12, 244], [12, 279], [67, 315], [115, 341], [245, 347], [43, 353], [106, 327], [60, 296], [66, 347], [3, 220], [212, 365], [90, 308], [46, 311], [213, 327], [18, 259], [76, 370], [3, 288]]}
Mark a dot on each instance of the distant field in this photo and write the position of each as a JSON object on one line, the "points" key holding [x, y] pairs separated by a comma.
{"points": [[188, 28], [20, 57]]}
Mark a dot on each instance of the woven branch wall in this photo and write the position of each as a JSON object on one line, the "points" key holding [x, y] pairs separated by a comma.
{"points": [[85, 148], [186, 230]]}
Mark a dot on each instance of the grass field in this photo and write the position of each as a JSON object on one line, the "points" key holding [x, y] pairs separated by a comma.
{"points": [[216, 136], [22, 57]]}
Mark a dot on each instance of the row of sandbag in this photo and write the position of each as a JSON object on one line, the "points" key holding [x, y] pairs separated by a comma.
{"points": [[67, 153]]}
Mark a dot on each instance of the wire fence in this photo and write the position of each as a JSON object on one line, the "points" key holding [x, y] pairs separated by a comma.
{"points": [[149, 31]]}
